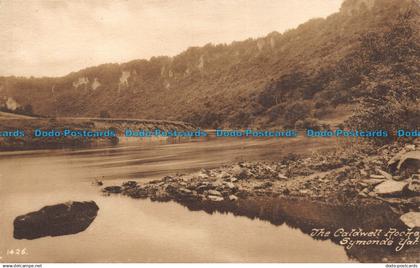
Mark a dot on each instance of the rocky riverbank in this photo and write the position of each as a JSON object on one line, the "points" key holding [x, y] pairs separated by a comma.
{"points": [[350, 177], [362, 187]]}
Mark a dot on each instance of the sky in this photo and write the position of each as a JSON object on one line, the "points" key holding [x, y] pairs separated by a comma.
{"points": [[54, 38]]}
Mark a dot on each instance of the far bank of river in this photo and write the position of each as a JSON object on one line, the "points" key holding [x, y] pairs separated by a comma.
{"points": [[57, 133]]}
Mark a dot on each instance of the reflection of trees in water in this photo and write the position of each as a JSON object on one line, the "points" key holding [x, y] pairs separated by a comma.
{"points": [[305, 215]]}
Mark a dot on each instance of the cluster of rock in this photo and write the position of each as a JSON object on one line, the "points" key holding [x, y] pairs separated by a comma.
{"points": [[389, 175], [227, 183]]}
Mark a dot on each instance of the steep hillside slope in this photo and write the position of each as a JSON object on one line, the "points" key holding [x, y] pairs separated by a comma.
{"points": [[281, 79]]}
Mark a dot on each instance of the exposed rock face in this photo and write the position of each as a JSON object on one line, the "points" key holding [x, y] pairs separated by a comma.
{"points": [[124, 78], [95, 84], [82, 81], [56, 220]]}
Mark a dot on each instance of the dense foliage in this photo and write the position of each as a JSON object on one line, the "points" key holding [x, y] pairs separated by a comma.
{"points": [[389, 83], [363, 56]]}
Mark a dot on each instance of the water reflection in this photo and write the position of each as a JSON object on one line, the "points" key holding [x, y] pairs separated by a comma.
{"points": [[307, 216]]}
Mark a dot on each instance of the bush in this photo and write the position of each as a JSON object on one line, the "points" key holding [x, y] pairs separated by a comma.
{"points": [[323, 111], [308, 123], [294, 112], [276, 112], [104, 114], [299, 124], [390, 115], [321, 104]]}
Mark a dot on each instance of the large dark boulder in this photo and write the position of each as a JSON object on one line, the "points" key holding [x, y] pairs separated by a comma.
{"points": [[60, 219]]}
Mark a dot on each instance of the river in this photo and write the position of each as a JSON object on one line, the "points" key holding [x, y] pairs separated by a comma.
{"points": [[128, 230]]}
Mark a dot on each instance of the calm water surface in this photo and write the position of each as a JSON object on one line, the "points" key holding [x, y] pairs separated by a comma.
{"points": [[128, 230]]}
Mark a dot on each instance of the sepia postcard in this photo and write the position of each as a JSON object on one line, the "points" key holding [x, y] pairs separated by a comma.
{"points": [[209, 131]]}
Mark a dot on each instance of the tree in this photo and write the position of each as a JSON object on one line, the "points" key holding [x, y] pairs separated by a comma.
{"points": [[28, 109]]}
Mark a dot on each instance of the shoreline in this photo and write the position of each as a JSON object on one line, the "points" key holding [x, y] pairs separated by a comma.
{"points": [[342, 177]]}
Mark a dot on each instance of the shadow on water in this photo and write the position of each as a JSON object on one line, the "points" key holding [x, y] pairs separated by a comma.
{"points": [[309, 215]]}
